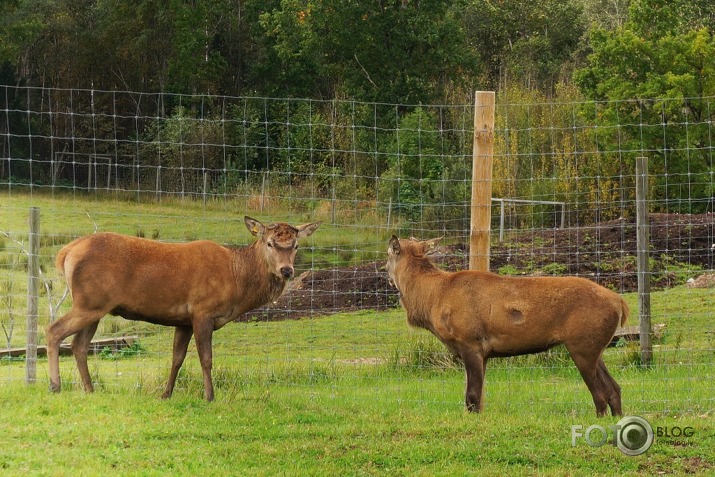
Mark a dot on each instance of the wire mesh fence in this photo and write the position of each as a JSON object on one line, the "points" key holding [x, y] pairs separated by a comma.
{"points": [[178, 168]]}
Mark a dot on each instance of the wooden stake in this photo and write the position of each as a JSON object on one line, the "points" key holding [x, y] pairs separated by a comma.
{"points": [[33, 289], [482, 157], [643, 242]]}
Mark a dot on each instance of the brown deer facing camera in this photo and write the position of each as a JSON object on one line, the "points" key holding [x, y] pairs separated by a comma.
{"points": [[196, 287], [481, 315]]}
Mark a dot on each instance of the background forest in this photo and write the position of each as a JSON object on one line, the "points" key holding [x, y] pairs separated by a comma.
{"points": [[640, 75], [400, 51]]}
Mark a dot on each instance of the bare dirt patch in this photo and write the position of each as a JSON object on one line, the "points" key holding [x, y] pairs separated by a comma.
{"points": [[681, 247]]}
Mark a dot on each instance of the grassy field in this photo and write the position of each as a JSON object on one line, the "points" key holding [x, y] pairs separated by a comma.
{"points": [[65, 217], [348, 394], [172, 219]]}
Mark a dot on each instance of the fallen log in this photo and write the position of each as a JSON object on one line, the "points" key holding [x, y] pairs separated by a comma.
{"points": [[632, 333], [95, 347]]}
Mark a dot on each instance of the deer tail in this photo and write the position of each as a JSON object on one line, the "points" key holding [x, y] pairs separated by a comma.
{"points": [[625, 311], [60, 259]]}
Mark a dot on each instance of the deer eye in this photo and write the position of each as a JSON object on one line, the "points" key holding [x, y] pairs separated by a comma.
{"points": [[270, 244]]}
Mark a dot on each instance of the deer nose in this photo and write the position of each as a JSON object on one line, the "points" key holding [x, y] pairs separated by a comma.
{"points": [[287, 272]]}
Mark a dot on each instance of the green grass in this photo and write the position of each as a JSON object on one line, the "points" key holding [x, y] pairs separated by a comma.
{"points": [[344, 394], [359, 424], [66, 216], [140, 435], [76, 434], [348, 394]]}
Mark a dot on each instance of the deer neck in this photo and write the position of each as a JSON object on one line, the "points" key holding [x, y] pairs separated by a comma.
{"points": [[418, 282], [256, 284]]}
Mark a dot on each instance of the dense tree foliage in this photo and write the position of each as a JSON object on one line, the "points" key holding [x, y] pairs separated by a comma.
{"points": [[641, 71], [525, 42], [397, 51], [654, 78]]}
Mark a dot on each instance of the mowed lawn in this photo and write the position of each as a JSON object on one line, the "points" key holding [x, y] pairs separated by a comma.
{"points": [[348, 394]]}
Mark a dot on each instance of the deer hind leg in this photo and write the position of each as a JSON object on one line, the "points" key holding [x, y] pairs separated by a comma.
{"points": [[612, 387], [587, 364], [182, 336], [80, 349], [73, 322]]}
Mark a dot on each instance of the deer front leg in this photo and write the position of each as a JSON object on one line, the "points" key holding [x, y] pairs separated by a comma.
{"points": [[203, 331], [475, 366]]}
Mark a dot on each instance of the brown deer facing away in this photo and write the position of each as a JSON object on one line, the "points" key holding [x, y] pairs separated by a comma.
{"points": [[196, 287], [481, 315]]}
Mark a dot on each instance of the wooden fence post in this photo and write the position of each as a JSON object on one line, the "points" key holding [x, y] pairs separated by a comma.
{"points": [[482, 158], [33, 266], [643, 242]]}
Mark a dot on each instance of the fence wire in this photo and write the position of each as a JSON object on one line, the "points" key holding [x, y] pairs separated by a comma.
{"points": [[180, 167]]}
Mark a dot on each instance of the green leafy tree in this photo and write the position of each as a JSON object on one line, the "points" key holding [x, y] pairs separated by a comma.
{"points": [[389, 51], [524, 42], [166, 46], [654, 80], [605, 14], [140, 45], [295, 48], [416, 166]]}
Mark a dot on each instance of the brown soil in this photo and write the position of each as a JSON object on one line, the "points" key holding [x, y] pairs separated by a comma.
{"points": [[680, 245]]}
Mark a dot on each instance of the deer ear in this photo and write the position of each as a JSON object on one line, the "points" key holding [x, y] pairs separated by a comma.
{"points": [[394, 245], [430, 246], [306, 230], [254, 226]]}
